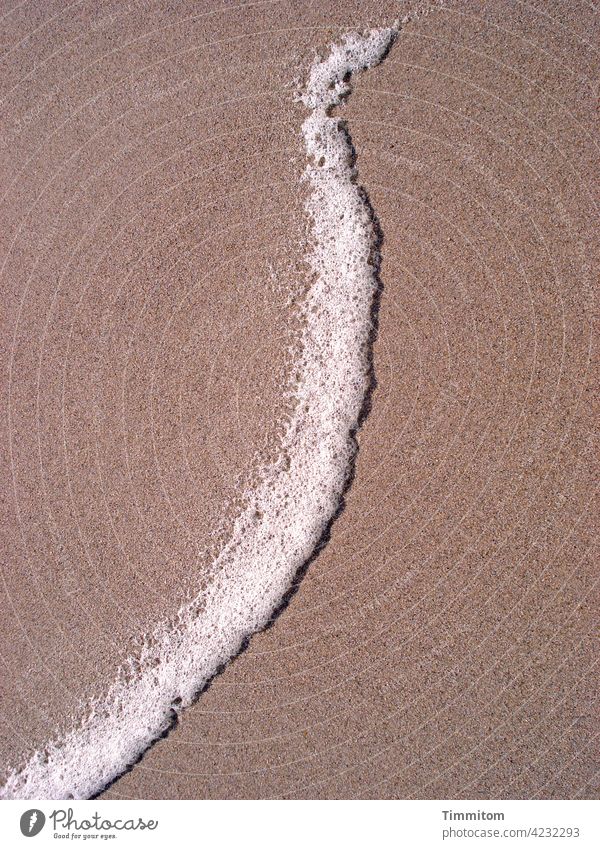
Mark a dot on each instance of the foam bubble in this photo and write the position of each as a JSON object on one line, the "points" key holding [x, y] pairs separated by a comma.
{"points": [[297, 496]]}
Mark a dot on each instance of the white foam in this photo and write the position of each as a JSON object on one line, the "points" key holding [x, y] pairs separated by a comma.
{"points": [[297, 496]]}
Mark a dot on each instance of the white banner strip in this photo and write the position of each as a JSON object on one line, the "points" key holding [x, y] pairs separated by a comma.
{"points": [[274, 824]]}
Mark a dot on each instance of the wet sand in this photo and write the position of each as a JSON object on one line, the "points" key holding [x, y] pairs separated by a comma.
{"points": [[442, 644]]}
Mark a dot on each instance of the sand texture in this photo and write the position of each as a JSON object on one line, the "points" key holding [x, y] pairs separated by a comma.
{"points": [[152, 233]]}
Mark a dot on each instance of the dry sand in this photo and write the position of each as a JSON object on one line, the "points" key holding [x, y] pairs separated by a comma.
{"points": [[442, 645]]}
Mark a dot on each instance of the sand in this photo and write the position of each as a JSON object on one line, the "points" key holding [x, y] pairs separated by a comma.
{"points": [[442, 644]]}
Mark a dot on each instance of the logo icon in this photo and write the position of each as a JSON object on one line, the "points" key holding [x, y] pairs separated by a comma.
{"points": [[32, 822]]}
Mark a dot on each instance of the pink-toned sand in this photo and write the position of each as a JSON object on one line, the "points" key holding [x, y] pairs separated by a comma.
{"points": [[444, 644]]}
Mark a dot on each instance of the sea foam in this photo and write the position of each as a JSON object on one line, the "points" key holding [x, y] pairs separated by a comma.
{"points": [[297, 496]]}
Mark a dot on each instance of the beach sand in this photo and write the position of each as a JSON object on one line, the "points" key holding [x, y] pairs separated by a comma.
{"points": [[443, 643]]}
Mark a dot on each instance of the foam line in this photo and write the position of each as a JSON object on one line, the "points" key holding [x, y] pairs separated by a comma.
{"points": [[297, 496]]}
